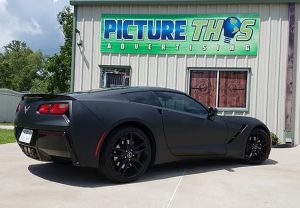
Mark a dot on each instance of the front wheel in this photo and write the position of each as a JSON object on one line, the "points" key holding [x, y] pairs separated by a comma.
{"points": [[126, 155], [258, 147]]}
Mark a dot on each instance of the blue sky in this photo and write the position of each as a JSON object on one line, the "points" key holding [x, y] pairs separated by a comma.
{"points": [[32, 21]]}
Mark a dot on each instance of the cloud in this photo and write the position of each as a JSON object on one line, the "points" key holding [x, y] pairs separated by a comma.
{"points": [[32, 21], [3, 4], [11, 25]]}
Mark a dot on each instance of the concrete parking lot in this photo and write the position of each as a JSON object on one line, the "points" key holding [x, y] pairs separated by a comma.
{"points": [[206, 183]]}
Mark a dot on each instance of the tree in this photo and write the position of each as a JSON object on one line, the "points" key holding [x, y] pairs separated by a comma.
{"points": [[58, 66], [19, 66], [22, 69]]}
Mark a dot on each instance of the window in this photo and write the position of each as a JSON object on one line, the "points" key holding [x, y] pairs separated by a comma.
{"points": [[143, 97], [220, 88], [112, 77], [180, 102]]}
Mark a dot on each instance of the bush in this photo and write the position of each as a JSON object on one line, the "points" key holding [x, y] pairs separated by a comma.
{"points": [[275, 139]]}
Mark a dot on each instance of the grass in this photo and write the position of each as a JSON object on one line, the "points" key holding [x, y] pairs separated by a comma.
{"points": [[6, 124], [7, 136]]}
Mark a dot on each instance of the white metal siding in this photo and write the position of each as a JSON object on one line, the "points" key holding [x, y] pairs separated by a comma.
{"points": [[9, 101], [268, 68]]}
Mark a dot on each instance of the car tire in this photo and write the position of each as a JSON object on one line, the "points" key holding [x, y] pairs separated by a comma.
{"points": [[125, 155], [258, 147]]}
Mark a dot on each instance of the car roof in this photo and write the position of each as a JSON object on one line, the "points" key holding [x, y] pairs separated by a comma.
{"points": [[116, 91]]}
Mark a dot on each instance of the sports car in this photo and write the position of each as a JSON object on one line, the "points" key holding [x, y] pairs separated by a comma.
{"points": [[122, 132]]}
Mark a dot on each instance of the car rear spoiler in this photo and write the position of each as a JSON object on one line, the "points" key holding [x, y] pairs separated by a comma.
{"points": [[47, 97]]}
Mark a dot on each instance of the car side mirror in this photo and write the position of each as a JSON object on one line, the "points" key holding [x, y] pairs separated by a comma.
{"points": [[212, 112]]}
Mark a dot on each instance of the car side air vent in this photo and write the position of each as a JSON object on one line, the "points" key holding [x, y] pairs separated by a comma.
{"points": [[242, 128]]}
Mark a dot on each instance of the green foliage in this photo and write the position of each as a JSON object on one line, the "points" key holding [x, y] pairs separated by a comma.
{"points": [[58, 66], [19, 65], [6, 136], [39, 85], [275, 139], [21, 69]]}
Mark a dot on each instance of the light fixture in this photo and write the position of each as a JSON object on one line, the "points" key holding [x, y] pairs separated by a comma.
{"points": [[80, 42]]}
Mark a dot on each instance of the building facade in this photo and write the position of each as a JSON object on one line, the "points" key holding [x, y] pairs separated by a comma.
{"points": [[242, 58], [9, 101]]}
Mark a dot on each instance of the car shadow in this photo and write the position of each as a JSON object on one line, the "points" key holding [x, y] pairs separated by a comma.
{"points": [[87, 177]]}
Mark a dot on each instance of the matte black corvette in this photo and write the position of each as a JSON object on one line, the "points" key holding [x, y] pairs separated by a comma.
{"points": [[121, 132]]}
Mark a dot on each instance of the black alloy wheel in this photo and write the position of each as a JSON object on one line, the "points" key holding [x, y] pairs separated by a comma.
{"points": [[126, 155], [258, 147]]}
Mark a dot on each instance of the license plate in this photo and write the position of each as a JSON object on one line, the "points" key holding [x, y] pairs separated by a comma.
{"points": [[26, 136]]}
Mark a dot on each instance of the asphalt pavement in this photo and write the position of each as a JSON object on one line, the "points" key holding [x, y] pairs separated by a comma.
{"points": [[205, 183]]}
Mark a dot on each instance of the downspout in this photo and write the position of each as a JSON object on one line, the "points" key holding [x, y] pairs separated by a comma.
{"points": [[289, 137], [73, 48]]}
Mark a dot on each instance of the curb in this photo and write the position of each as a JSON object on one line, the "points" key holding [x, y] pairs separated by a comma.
{"points": [[6, 127]]}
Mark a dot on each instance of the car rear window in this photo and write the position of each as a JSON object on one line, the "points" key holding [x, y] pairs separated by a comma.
{"points": [[145, 97]]}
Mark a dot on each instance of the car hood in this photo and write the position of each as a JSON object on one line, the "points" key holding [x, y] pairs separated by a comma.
{"points": [[241, 120]]}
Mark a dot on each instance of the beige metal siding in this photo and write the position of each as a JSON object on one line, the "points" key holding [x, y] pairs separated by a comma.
{"points": [[268, 68]]}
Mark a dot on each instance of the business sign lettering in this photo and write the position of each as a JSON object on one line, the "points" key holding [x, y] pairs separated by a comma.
{"points": [[208, 34]]}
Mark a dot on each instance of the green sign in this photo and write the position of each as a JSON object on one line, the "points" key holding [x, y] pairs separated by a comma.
{"points": [[203, 34]]}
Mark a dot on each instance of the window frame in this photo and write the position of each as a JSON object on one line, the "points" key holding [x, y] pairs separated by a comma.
{"points": [[124, 67], [218, 70]]}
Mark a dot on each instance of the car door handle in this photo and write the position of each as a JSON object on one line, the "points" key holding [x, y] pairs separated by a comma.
{"points": [[159, 110]]}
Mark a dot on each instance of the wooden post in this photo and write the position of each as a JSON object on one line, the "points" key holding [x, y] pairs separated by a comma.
{"points": [[289, 77]]}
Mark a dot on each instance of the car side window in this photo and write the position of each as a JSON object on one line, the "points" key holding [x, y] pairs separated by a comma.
{"points": [[180, 102], [146, 97]]}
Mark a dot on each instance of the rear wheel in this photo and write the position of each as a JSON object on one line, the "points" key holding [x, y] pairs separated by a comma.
{"points": [[258, 147], [126, 155]]}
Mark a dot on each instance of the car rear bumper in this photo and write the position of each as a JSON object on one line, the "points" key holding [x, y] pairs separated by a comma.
{"points": [[47, 145]]}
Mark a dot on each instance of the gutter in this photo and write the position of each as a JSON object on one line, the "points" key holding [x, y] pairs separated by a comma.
{"points": [[176, 2]]}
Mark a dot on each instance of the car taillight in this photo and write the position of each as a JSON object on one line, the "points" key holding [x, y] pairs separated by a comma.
{"points": [[45, 108], [53, 108], [59, 108]]}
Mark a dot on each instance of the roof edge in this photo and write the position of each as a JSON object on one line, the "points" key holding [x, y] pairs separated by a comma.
{"points": [[5, 91], [170, 2]]}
